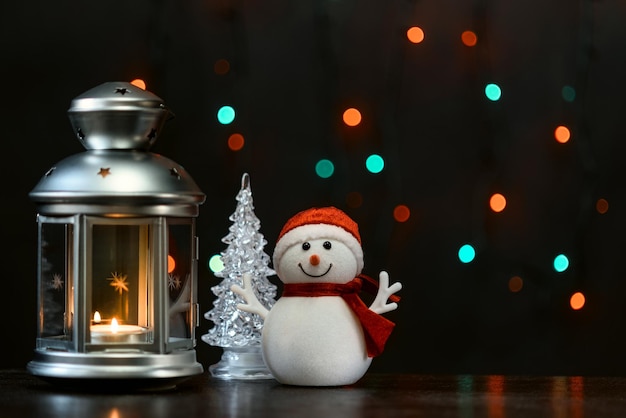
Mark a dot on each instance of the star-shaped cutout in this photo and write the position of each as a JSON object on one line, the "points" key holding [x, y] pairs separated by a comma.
{"points": [[80, 133], [122, 90], [175, 172], [104, 172], [152, 134]]}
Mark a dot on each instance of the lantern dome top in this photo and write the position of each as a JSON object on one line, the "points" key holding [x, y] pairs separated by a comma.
{"points": [[117, 115], [117, 176]]}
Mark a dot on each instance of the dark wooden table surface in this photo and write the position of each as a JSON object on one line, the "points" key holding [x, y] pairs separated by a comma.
{"points": [[376, 395]]}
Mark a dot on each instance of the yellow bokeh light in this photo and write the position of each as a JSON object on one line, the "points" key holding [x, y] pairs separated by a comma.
{"points": [[415, 34], [352, 117], [497, 202]]}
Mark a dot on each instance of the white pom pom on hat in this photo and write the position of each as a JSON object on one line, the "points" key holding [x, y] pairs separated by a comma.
{"points": [[314, 223]]}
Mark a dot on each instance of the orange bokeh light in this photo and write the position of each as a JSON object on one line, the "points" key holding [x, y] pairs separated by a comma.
{"points": [[401, 213], [469, 38], [497, 202], [235, 142], [515, 284], [171, 264], [221, 66], [602, 206], [352, 117], [577, 301], [562, 134], [415, 34], [138, 82], [354, 199]]}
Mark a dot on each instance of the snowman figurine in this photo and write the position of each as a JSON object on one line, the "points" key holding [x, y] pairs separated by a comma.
{"points": [[319, 332]]}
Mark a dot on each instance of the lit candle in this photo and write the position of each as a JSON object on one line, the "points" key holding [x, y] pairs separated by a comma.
{"points": [[116, 333]]}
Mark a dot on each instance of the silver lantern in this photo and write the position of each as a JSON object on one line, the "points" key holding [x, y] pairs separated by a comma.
{"points": [[117, 251]]}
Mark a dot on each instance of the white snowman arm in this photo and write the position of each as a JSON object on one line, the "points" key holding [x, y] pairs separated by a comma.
{"points": [[380, 304], [252, 304]]}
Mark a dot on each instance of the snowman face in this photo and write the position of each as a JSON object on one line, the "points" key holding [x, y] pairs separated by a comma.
{"points": [[317, 261]]}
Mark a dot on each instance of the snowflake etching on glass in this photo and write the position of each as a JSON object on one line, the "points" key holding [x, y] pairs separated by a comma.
{"points": [[118, 281]]}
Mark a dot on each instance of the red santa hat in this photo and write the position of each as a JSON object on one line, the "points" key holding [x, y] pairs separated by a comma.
{"points": [[328, 222]]}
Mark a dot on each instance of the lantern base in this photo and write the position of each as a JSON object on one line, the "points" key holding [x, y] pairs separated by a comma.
{"points": [[120, 371], [245, 363]]}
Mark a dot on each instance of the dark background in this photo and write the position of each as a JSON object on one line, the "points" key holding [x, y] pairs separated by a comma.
{"points": [[294, 67]]}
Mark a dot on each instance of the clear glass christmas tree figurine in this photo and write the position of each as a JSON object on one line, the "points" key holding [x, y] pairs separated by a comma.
{"points": [[236, 331]]}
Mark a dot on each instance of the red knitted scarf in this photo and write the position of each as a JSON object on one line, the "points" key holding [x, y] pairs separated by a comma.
{"points": [[376, 328]]}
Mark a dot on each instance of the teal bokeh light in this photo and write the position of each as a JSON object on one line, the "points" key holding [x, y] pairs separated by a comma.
{"points": [[568, 93], [226, 115], [493, 92], [467, 253], [324, 168], [375, 163], [561, 263]]}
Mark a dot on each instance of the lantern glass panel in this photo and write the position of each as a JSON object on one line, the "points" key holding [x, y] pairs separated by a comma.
{"points": [[55, 283], [180, 268], [120, 285]]}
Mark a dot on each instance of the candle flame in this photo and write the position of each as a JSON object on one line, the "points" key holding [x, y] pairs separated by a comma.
{"points": [[114, 326], [96, 317]]}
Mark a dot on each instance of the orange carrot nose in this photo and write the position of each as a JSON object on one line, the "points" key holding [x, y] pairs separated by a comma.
{"points": [[314, 259]]}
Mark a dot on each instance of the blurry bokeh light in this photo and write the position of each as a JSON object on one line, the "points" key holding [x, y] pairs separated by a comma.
{"points": [[602, 205], [401, 213], [226, 115], [215, 263], [375, 163], [577, 301], [561, 263], [324, 168], [515, 284], [493, 92], [235, 142], [351, 117], [497, 202], [138, 82], [354, 199], [562, 134], [469, 38], [415, 34], [221, 66], [467, 253]]}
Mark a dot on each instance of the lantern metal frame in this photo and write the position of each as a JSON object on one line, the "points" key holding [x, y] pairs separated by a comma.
{"points": [[116, 183]]}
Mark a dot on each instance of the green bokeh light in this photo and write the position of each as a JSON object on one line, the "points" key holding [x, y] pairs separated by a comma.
{"points": [[226, 115], [375, 163], [215, 263], [561, 263], [467, 253], [493, 92], [568, 93], [324, 168]]}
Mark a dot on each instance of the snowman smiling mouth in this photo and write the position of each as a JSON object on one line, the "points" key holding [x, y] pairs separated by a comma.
{"points": [[313, 275]]}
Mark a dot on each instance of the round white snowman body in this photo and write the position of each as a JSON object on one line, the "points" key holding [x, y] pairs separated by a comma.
{"points": [[316, 341]]}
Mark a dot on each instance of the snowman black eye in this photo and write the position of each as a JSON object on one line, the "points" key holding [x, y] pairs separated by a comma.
{"points": [[327, 245], [306, 246]]}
